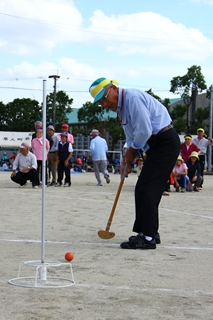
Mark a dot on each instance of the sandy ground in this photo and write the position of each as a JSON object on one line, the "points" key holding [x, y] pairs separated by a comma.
{"points": [[172, 282]]}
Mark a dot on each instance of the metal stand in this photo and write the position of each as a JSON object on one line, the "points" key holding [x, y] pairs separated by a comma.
{"points": [[40, 278]]}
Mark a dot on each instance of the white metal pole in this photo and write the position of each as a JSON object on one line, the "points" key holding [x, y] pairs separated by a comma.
{"points": [[43, 175], [210, 131]]}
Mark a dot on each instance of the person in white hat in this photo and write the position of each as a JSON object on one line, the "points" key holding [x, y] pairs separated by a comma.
{"points": [[202, 143], [147, 126], [98, 150], [194, 172]]}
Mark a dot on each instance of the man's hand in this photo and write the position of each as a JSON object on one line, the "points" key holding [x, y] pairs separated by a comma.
{"points": [[66, 163], [127, 162], [13, 174]]}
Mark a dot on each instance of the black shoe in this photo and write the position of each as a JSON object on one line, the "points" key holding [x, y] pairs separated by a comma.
{"points": [[138, 242], [157, 238]]}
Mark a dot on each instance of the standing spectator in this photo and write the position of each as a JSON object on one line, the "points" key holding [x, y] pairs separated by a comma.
{"points": [[187, 147], [202, 143], [51, 158], [27, 165], [39, 125], [98, 150], [64, 152], [194, 172], [37, 146], [65, 128], [147, 126]]}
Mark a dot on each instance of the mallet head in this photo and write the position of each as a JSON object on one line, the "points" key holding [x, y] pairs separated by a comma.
{"points": [[103, 234]]}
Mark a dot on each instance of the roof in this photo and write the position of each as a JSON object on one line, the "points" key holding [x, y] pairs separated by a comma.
{"points": [[73, 116]]}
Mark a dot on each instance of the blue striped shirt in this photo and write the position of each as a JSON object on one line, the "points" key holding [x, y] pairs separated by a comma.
{"points": [[141, 116]]}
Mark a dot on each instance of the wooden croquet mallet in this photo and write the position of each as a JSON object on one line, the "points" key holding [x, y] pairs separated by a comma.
{"points": [[106, 234]]}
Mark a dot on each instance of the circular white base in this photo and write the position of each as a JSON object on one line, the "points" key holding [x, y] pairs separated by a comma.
{"points": [[51, 282]]}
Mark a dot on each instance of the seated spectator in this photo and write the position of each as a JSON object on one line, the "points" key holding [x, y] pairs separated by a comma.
{"points": [[117, 167], [187, 147], [194, 172], [5, 166], [27, 164], [13, 156], [4, 157], [139, 163], [179, 173]]}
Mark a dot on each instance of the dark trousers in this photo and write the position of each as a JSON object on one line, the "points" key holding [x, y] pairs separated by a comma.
{"points": [[21, 177], [39, 169], [161, 158], [202, 159], [61, 170]]}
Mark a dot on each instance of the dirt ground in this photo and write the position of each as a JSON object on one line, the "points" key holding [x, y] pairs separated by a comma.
{"points": [[172, 282]]}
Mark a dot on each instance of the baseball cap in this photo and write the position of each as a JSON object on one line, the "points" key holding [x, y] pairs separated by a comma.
{"points": [[63, 134], [24, 145], [98, 87], [65, 125], [94, 131], [51, 127]]}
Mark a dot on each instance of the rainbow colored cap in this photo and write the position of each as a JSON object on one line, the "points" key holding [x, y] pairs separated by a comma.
{"points": [[98, 87]]}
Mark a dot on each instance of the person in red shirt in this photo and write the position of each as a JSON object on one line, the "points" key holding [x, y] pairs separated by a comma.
{"points": [[187, 147]]}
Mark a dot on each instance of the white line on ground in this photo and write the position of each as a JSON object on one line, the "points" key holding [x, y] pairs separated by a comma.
{"points": [[100, 244], [134, 288]]}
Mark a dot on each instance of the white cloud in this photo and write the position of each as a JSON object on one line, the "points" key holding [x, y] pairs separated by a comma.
{"points": [[210, 2], [148, 34], [27, 27]]}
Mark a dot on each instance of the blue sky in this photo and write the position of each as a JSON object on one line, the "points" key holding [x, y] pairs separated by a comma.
{"points": [[139, 43]]}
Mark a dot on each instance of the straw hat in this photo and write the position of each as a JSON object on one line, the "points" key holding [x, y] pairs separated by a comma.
{"points": [[194, 154]]}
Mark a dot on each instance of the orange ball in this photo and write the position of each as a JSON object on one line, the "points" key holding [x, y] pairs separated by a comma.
{"points": [[69, 256]]}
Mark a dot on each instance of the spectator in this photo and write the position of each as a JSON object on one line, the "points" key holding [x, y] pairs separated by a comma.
{"points": [[98, 150], [4, 157], [65, 128], [187, 147], [51, 158], [37, 148], [202, 143], [64, 152], [179, 173], [39, 125], [27, 164], [5, 166], [139, 163], [194, 172], [13, 156]]}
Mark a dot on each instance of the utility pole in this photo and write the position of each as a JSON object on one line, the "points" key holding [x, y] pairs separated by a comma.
{"points": [[55, 77]]}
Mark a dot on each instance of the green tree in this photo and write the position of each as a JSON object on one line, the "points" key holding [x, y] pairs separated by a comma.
{"points": [[20, 115], [178, 115], [92, 115], [98, 118], [201, 116], [188, 86], [63, 108], [3, 124]]}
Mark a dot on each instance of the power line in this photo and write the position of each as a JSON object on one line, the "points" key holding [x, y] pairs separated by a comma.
{"points": [[70, 26]]}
